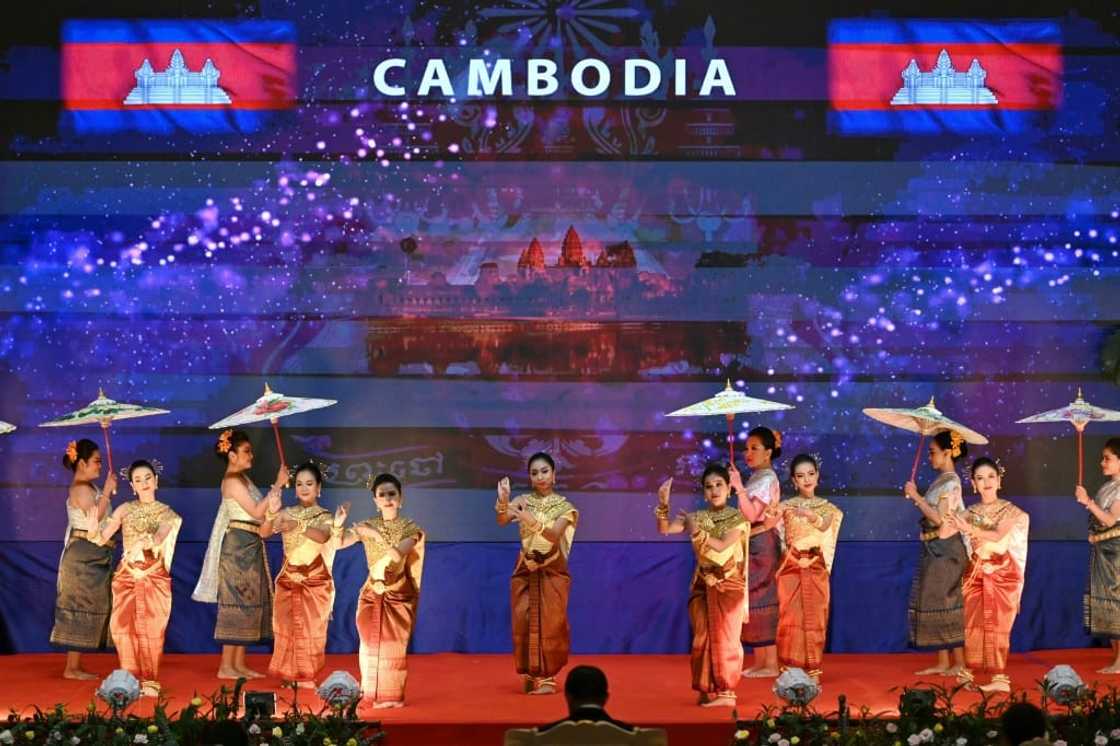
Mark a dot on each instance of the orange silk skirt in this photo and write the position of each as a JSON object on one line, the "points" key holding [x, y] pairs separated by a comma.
{"points": [[716, 613], [141, 608], [991, 590], [803, 595], [385, 622], [539, 610], [301, 610]]}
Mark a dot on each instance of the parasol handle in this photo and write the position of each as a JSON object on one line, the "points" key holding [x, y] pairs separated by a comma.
{"points": [[279, 446], [108, 445], [917, 457], [1080, 454], [730, 441]]}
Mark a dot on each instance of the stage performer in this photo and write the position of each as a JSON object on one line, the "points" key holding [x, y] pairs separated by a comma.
{"points": [[142, 583], [761, 491], [812, 525], [84, 598], [304, 598], [1102, 601], [540, 583], [993, 584], [936, 609], [717, 602], [394, 547], [235, 572]]}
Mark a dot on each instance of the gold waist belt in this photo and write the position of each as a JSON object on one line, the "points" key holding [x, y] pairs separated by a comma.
{"points": [[253, 528], [380, 587], [81, 533], [930, 535], [534, 560], [1105, 535]]}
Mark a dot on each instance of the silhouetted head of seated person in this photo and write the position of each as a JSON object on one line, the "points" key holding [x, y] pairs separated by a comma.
{"points": [[586, 692], [1023, 724]]}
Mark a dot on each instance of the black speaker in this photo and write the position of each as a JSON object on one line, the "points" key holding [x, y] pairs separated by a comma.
{"points": [[260, 705]]}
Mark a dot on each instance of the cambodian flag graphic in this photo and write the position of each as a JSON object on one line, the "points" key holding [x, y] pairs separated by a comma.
{"points": [[157, 76], [891, 77]]}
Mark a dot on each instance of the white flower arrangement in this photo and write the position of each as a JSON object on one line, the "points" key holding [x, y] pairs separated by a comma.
{"points": [[1063, 685], [796, 687], [119, 689], [340, 689]]}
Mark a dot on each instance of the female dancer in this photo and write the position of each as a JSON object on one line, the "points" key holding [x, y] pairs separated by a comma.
{"points": [[1102, 601], [304, 586], [142, 583], [84, 599], [717, 603], [811, 527], [760, 492], [936, 608], [394, 547], [235, 570], [540, 583], [997, 533]]}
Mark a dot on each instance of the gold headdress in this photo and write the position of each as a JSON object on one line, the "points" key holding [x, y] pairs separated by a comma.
{"points": [[157, 467]]}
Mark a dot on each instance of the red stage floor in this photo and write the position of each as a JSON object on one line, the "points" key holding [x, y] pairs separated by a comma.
{"points": [[467, 699]]}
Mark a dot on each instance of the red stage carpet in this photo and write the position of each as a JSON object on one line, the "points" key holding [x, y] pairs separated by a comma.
{"points": [[467, 699]]}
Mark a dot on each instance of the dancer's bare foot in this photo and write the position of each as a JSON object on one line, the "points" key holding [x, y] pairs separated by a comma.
{"points": [[544, 689], [719, 701], [749, 671], [305, 684], [149, 689], [229, 673], [762, 673], [387, 705], [997, 686], [250, 673], [931, 671], [78, 674], [952, 672], [1113, 667]]}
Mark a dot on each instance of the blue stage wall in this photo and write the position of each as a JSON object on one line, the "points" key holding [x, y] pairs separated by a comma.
{"points": [[626, 597]]}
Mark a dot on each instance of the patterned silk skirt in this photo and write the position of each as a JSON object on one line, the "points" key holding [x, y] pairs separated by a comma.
{"points": [[141, 609], [539, 607], [761, 628], [803, 596], [244, 590], [385, 621], [992, 589], [300, 614], [936, 611], [1102, 601], [716, 614], [84, 600]]}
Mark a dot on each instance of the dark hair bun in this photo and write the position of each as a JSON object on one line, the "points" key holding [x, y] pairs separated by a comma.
{"points": [[78, 450], [771, 441]]}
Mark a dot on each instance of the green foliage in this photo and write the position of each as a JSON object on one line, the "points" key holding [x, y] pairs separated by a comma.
{"points": [[202, 721], [927, 716]]}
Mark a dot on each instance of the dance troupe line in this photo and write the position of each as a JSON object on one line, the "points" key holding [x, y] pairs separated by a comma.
{"points": [[761, 579]]}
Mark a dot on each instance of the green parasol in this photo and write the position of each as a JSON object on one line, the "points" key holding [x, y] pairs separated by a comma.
{"points": [[103, 411]]}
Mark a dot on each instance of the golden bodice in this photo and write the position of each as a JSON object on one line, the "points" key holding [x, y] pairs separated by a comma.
{"points": [[299, 549], [143, 520], [546, 510], [389, 535], [717, 524]]}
